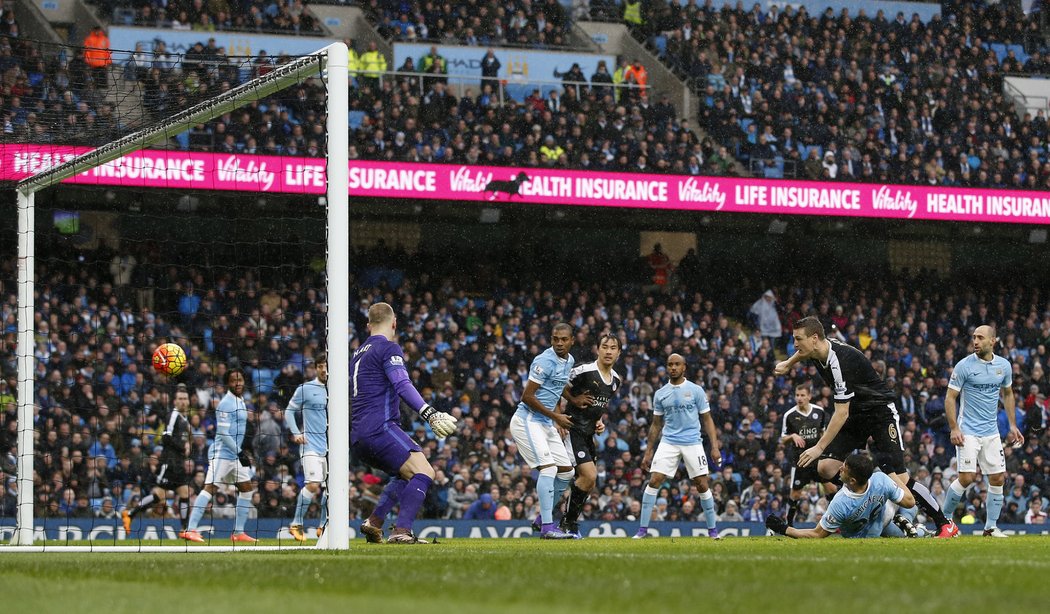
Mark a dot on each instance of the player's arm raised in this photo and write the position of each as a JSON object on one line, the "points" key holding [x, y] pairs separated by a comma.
{"points": [[655, 430], [529, 398], [952, 415], [784, 367], [834, 426], [441, 423]]}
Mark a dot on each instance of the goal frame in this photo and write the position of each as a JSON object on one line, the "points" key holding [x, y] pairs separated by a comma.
{"points": [[333, 64]]}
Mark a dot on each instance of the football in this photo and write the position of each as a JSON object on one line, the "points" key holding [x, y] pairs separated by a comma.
{"points": [[169, 359]]}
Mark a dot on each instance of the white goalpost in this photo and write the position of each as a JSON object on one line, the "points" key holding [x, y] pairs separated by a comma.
{"points": [[331, 64]]}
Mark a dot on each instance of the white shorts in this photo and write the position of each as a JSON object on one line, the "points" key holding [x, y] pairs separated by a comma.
{"points": [[315, 468], [225, 471], [668, 455], [986, 452], [539, 443]]}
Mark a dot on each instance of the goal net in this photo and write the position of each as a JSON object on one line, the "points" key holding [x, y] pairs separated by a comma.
{"points": [[194, 199]]}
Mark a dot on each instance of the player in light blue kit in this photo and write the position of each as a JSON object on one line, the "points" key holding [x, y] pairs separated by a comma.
{"points": [[976, 384], [311, 399], [229, 461], [535, 427], [678, 409], [858, 510]]}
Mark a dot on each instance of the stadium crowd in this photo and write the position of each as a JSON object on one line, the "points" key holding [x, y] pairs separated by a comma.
{"points": [[858, 96], [540, 24], [101, 410], [281, 17]]}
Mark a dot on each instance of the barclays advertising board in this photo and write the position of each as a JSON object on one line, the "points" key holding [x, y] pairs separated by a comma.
{"points": [[523, 70]]}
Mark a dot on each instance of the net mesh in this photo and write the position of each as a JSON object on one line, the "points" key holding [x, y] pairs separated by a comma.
{"points": [[212, 238]]}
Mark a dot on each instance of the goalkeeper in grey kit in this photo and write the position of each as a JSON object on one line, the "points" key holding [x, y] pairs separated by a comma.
{"points": [[378, 384]]}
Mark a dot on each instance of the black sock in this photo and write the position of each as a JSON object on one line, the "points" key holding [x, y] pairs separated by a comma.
{"points": [[577, 497], [927, 503], [792, 511], [184, 512], [143, 505]]}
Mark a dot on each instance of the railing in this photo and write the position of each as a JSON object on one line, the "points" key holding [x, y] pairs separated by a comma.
{"points": [[129, 17]]}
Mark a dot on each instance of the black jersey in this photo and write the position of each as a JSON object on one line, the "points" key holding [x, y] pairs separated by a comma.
{"points": [[586, 379], [853, 380], [176, 436], [809, 426]]}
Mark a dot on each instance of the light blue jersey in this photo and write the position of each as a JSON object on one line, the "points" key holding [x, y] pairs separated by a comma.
{"points": [[231, 417], [978, 383], [310, 398], [860, 514], [552, 374], [681, 407]]}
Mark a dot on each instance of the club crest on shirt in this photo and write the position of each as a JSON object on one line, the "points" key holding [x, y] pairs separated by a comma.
{"points": [[998, 372]]}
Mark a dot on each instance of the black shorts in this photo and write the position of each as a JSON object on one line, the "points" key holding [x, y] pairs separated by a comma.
{"points": [[172, 474], [581, 448], [883, 426], [803, 476]]}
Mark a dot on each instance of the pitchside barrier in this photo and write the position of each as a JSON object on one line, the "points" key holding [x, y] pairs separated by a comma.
{"points": [[101, 533]]}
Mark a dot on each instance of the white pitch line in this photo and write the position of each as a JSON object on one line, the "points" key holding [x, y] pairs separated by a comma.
{"points": [[152, 549]]}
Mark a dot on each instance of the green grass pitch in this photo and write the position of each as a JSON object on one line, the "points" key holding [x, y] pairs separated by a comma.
{"points": [[613, 576]]}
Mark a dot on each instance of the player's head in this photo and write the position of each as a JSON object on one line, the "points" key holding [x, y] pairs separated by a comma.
{"points": [[235, 381], [608, 349], [984, 341], [809, 335], [381, 320], [803, 393], [561, 339], [675, 368], [856, 471], [321, 366], [182, 398]]}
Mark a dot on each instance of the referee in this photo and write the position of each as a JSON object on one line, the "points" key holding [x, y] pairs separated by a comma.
{"points": [[864, 408]]}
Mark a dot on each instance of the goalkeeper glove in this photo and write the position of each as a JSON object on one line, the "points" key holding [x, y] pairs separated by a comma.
{"points": [[441, 423], [776, 524], [245, 458]]}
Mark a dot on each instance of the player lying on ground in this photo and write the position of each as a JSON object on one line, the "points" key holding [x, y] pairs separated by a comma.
{"points": [[858, 508]]}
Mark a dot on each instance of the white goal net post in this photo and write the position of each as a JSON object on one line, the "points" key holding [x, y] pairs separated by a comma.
{"points": [[331, 64]]}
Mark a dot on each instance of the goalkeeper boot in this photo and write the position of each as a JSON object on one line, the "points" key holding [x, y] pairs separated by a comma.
{"points": [[191, 536], [297, 532], [643, 533], [713, 534], [404, 536], [905, 526], [373, 534], [125, 518], [243, 538], [553, 532]]}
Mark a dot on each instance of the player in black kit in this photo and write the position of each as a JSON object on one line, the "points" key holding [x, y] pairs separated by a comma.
{"points": [[172, 474], [803, 425], [864, 407], [591, 387]]}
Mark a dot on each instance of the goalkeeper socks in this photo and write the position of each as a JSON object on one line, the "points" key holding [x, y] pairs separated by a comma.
{"points": [[927, 503], [561, 482], [995, 506], [952, 498], [244, 506], [388, 499], [301, 505], [648, 503], [412, 499], [577, 497], [202, 502], [143, 505], [707, 502], [545, 493]]}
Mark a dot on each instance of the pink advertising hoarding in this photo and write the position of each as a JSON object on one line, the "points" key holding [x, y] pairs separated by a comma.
{"points": [[208, 171]]}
